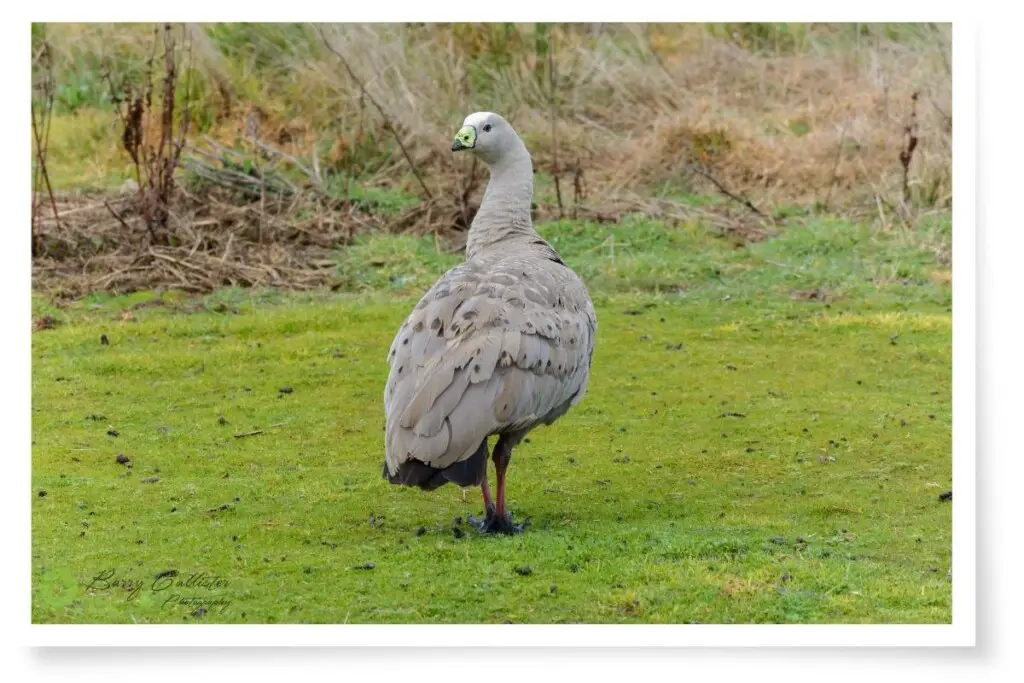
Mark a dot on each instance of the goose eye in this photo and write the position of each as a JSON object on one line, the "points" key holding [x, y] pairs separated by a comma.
{"points": [[487, 128]]}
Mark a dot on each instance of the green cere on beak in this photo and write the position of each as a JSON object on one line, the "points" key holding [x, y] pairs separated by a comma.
{"points": [[464, 139]]}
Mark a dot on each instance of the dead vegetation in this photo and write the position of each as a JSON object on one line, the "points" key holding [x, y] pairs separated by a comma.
{"points": [[153, 126], [43, 88], [247, 148]]}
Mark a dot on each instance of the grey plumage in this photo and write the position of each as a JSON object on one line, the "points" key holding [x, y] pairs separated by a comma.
{"points": [[500, 344]]}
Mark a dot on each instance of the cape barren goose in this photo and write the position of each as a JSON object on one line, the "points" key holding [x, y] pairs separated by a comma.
{"points": [[500, 344]]}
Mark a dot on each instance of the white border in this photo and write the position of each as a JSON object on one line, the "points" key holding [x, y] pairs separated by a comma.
{"points": [[489, 635], [961, 632], [964, 328]]}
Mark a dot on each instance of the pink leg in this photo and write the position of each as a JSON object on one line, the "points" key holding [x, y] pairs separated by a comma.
{"points": [[486, 490], [501, 464], [498, 519]]}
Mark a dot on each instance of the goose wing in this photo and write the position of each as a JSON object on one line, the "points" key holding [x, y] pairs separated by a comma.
{"points": [[492, 347]]}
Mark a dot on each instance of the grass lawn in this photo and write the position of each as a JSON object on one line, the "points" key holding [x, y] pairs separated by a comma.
{"points": [[747, 452]]}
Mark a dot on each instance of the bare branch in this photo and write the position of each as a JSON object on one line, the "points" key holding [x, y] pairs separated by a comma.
{"points": [[552, 109], [387, 121], [116, 215], [578, 191], [909, 145], [704, 173], [835, 164], [42, 116]]}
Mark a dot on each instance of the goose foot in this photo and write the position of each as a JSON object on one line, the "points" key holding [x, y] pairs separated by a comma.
{"points": [[494, 523]]}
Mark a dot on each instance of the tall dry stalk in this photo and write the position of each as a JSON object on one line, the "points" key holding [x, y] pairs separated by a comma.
{"points": [[42, 116], [548, 53], [153, 125], [910, 140]]}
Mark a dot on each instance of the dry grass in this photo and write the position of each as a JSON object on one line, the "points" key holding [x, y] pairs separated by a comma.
{"points": [[217, 241], [643, 115], [637, 107]]}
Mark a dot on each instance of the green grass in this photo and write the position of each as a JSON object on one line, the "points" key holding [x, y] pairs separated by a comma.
{"points": [[84, 154], [691, 262], [742, 456]]}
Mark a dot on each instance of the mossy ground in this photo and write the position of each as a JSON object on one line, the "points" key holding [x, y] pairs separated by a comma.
{"points": [[744, 454]]}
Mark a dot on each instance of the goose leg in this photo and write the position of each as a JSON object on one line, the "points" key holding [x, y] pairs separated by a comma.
{"points": [[486, 490], [498, 519], [488, 501]]}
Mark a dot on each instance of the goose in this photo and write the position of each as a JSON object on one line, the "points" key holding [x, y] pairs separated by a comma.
{"points": [[502, 342]]}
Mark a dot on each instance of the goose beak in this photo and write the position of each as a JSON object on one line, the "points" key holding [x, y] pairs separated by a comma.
{"points": [[464, 139]]}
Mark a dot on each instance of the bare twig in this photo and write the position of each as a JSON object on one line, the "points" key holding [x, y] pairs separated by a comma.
{"points": [[909, 145], [942, 46], [387, 121], [318, 177], [116, 215], [704, 173], [653, 53], [313, 175], [577, 187], [835, 164], [41, 134], [942, 112], [257, 183], [553, 110], [245, 434]]}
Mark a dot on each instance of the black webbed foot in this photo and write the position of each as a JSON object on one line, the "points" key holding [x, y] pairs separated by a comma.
{"points": [[495, 524]]}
